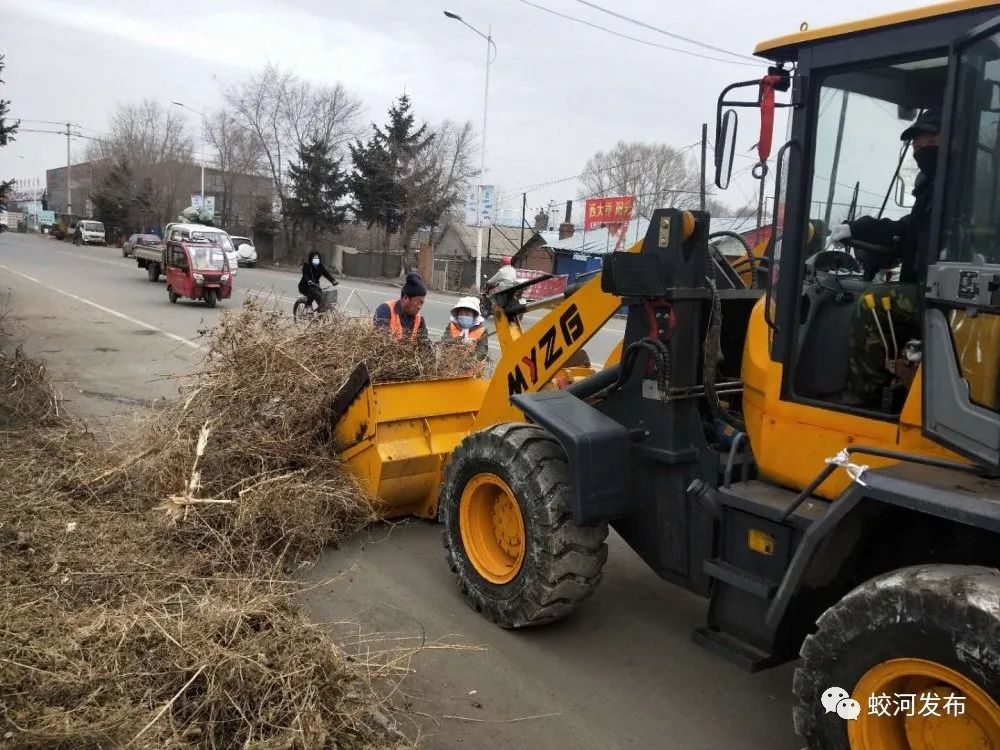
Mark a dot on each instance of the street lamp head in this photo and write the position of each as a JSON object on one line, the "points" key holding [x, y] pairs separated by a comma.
{"points": [[453, 15], [177, 103]]}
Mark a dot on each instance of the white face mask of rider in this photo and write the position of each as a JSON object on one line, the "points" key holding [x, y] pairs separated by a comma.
{"points": [[315, 261]]}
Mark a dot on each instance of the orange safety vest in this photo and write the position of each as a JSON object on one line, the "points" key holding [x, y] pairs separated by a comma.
{"points": [[474, 333], [396, 322]]}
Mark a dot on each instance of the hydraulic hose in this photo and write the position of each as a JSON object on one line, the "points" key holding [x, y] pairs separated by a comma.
{"points": [[713, 355]]}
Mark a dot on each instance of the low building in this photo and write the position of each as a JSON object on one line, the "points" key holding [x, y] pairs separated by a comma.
{"points": [[454, 252], [235, 209]]}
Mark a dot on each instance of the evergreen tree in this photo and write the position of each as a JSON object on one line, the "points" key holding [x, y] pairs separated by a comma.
{"points": [[7, 130], [318, 189], [386, 169], [45, 200]]}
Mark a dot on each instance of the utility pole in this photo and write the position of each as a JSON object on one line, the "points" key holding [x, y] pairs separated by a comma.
{"points": [[704, 160], [836, 161], [524, 208], [488, 36], [69, 167]]}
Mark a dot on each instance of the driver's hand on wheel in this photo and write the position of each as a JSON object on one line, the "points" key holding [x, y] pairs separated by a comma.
{"points": [[840, 233]]}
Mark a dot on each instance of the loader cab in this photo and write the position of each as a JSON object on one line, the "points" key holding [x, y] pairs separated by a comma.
{"points": [[853, 92]]}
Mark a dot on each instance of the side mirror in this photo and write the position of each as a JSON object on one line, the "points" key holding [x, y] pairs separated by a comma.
{"points": [[725, 149]]}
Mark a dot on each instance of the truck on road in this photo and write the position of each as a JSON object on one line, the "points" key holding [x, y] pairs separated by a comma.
{"points": [[151, 257], [148, 253]]}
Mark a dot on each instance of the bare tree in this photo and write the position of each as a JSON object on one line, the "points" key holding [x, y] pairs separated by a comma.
{"points": [[237, 154], [285, 113], [438, 180], [656, 174], [149, 150]]}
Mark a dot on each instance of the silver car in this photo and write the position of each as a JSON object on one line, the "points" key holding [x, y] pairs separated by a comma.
{"points": [[246, 253]]}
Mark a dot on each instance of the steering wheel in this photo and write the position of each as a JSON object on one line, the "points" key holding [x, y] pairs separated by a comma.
{"points": [[832, 261], [873, 257], [734, 236]]}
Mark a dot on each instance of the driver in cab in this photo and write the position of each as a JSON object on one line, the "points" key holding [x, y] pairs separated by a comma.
{"points": [[904, 241]]}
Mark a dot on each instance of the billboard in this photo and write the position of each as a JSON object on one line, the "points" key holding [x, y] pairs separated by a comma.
{"points": [[486, 209], [611, 210], [209, 206]]}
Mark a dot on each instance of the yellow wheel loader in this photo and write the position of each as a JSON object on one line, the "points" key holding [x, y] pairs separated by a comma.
{"points": [[396, 437], [816, 452]]}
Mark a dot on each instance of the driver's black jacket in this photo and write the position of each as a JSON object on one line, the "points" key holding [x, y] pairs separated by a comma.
{"points": [[908, 237]]}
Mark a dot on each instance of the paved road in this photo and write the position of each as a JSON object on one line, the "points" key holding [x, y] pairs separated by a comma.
{"points": [[621, 673], [101, 275]]}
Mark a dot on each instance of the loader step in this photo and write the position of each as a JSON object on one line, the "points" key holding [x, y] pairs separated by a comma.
{"points": [[740, 653], [771, 502], [741, 579]]}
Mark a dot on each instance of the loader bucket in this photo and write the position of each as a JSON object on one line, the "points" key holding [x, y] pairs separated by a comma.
{"points": [[396, 437]]}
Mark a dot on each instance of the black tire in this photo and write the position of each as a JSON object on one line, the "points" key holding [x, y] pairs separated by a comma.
{"points": [[124, 252], [563, 563], [941, 613], [251, 265], [297, 310], [172, 296], [210, 297], [153, 271]]}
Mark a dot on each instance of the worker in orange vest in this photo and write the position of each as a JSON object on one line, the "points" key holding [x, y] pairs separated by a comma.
{"points": [[402, 317], [468, 327]]}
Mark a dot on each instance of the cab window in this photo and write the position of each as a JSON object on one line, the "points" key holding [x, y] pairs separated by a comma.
{"points": [[858, 298], [973, 206], [971, 224]]}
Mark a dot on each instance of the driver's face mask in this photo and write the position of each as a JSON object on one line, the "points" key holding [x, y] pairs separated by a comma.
{"points": [[926, 159]]}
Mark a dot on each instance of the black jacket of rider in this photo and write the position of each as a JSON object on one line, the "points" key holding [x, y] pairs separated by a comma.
{"points": [[313, 274], [908, 237]]}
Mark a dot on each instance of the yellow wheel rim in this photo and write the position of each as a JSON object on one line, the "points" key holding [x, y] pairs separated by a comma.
{"points": [[971, 723], [492, 528]]}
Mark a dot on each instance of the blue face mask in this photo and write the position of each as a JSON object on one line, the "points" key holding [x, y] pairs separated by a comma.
{"points": [[466, 321], [315, 261]]}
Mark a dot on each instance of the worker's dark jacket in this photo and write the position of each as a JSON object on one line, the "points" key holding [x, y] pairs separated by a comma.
{"points": [[909, 237], [314, 274]]}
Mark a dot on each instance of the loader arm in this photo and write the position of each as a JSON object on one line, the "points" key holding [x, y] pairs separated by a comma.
{"points": [[397, 437], [530, 359]]}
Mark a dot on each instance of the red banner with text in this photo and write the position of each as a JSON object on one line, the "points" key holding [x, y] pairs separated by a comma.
{"points": [[611, 210]]}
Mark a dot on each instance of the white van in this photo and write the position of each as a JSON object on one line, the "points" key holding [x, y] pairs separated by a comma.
{"points": [[89, 232]]}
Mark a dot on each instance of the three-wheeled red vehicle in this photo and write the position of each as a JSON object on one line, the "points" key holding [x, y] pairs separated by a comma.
{"points": [[197, 269]]}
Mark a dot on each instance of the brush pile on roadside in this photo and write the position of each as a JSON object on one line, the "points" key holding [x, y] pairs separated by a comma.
{"points": [[144, 587]]}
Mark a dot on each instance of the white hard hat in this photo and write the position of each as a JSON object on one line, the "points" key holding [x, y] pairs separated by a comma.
{"points": [[469, 303]]}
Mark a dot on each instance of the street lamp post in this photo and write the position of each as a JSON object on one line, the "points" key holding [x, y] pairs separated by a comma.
{"points": [[184, 106], [488, 36]]}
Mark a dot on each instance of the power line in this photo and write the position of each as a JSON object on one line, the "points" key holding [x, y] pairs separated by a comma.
{"points": [[667, 33], [581, 175], [637, 39]]}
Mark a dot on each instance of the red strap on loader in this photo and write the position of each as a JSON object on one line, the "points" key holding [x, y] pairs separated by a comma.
{"points": [[767, 84]]}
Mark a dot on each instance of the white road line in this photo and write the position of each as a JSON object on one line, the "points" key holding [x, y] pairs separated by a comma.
{"points": [[108, 310]]}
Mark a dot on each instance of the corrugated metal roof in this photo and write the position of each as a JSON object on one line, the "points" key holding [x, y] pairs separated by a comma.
{"points": [[598, 241]]}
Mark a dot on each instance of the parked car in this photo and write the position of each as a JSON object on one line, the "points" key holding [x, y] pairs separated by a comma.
{"points": [[89, 232], [245, 251], [4, 224], [148, 240]]}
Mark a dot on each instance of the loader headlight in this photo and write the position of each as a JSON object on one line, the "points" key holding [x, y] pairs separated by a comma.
{"points": [[199, 278]]}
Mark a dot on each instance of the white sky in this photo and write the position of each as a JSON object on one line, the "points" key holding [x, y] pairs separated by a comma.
{"points": [[559, 91]]}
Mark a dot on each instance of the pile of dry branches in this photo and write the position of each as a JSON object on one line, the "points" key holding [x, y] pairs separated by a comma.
{"points": [[144, 595]]}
